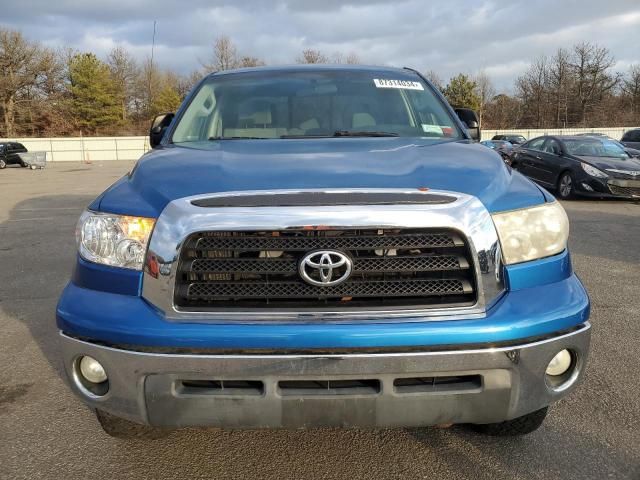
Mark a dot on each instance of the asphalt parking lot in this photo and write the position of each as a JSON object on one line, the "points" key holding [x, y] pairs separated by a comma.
{"points": [[45, 432]]}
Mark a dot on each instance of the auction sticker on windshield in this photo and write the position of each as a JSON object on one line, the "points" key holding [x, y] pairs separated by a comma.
{"points": [[404, 84]]}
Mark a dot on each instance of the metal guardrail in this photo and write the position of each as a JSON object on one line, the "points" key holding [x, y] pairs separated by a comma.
{"points": [[97, 149], [528, 133], [87, 149]]}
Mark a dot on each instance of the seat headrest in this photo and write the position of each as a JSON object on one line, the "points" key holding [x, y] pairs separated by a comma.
{"points": [[309, 124], [361, 120], [261, 118]]}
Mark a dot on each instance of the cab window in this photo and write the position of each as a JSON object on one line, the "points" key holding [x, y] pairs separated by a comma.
{"points": [[536, 144], [552, 146]]}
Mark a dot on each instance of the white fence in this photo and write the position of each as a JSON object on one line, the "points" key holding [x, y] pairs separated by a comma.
{"points": [[97, 149], [86, 149], [528, 133]]}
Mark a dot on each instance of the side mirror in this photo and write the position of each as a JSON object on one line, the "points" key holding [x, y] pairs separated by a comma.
{"points": [[470, 119], [158, 127]]}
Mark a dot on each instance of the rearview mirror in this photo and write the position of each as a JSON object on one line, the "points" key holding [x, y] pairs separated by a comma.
{"points": [[158, 127], [470, 119]]}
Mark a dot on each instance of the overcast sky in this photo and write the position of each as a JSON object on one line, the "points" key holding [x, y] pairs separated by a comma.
{"points": [[448, 37]]}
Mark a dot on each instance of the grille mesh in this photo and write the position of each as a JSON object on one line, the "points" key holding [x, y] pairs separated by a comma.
{"points": [[276, 265], [260, 269], [348, 289], [626, 191], [315, 243]]}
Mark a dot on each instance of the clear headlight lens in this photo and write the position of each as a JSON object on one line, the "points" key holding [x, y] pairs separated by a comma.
{"points": [[532, 233], [593, 171], [116, 240]]}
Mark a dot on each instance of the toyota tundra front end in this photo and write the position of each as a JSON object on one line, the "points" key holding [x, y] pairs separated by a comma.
{"points": [[321, 246]]}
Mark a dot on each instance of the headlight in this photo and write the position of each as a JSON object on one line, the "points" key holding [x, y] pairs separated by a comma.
{"points": [[116, 240], [532, 233], [593, 171]]}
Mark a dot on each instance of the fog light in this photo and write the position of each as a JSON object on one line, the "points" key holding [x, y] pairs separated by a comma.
{"points": [[587, 187], [92, 370], [560, 363]]}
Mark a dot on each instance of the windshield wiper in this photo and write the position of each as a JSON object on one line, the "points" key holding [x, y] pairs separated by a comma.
{"points": [[364, 133], [344, 133], [239, 138]]}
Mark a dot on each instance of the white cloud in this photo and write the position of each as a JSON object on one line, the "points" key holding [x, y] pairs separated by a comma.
{"points": [[499, 36]]}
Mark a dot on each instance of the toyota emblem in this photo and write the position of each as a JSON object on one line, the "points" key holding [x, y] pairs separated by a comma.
{"points": [[325, 268]]}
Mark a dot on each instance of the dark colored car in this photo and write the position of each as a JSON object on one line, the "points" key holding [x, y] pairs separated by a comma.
{"points": [[631, 138], [631, 151], [513, 139], [9, 154], [503, 147], [594, 134], [579, 165]]}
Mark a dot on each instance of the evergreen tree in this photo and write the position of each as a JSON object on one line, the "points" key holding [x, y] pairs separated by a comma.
{"points": [[462, 92], [96, 105], [167, 100]]}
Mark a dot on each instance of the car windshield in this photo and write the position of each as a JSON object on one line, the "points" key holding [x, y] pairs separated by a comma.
{"points": [[594, 147], [306, 103]]}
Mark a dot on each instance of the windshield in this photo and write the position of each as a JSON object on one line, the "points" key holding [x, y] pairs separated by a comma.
{"points": [[302, 104], [592, 147]]}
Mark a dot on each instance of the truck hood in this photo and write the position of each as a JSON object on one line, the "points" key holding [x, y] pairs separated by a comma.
{"points": [[172, 172]]}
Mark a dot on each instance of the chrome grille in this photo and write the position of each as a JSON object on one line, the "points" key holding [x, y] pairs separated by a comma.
{"points": [[259, 269]]}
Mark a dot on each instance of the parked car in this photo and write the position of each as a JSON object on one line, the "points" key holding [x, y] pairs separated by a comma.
{"points": [[503, 147], [321, 245], [594, 134], [579, 165], [513, 139], [631, 138], [9, 154], [631, 151]]}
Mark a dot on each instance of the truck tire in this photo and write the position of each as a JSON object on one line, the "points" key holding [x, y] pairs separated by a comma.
{"points": [[125, 429], [3, 164], [518, 426]]}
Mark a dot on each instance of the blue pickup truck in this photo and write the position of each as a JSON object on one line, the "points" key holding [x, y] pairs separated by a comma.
{"points": [[322, 246]]}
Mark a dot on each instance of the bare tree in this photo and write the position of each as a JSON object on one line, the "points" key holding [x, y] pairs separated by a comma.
{"points": [[503, 112], [560, 82], [187, 82], [591, 65], [631, 88], [485, 91], [124, 71], [23, 66], [224, 55], [312, 56], [339, 58], [148, 84], [352, 59], [249, 61], [434, 78], [532, 90]]}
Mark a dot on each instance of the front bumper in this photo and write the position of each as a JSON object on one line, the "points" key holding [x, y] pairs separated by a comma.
{"points": [[608, 188], [482, 385]]}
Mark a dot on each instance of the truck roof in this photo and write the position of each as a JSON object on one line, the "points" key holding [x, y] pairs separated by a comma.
{"points": [[318, 67]]}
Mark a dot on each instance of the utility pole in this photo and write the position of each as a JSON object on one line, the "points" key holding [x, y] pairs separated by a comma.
{"points": [[153, 44]]}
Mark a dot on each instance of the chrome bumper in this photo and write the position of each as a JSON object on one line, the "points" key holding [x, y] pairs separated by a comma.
{"points": [[503, 383]]}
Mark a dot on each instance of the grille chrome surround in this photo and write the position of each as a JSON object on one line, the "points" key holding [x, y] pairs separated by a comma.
{"points": [[419, 268], [181, 219]]}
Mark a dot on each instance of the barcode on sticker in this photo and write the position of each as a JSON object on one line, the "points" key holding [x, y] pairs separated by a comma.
{"points": [[391, 83]]}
